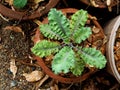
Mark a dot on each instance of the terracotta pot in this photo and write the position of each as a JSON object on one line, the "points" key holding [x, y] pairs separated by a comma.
{"points": [[48, 70], [110, 30], [23, 15], [101, 4]]}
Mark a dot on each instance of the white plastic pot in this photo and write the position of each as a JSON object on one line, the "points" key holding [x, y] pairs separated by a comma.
{"points": [[110, 30]]}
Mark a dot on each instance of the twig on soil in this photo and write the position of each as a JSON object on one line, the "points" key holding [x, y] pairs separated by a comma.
{"points": [[28, 64], [117, 49], [68, 87], [64, 1], [41, 82], [54, 85]]}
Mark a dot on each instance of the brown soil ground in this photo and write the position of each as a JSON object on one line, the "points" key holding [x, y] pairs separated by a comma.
{"points": [[16, 45]]}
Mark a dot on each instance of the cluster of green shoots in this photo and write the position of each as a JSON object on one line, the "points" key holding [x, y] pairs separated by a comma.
{"points": [[63, 41]]}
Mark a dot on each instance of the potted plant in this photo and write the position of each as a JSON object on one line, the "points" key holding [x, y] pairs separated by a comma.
{"points": [[66, 46], [112, 30], [40, 8], [101, 3]]}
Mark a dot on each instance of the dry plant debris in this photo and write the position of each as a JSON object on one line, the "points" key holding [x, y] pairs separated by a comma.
{"points": [[33, 76], [41, 82], [13, 67], [108, 3], [117, 50], [7, 20], [14, 28], [10, 2], [37, 1], [93, 2]]}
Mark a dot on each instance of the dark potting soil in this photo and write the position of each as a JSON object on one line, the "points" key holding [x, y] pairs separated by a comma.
{"points": [[15, 45]]}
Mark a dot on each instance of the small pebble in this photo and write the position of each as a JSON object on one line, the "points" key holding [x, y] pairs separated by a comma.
{"points": [[9, 72], [13, 83], [33, 68]]}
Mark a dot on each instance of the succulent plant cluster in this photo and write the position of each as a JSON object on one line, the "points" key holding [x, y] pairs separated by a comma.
{"points": [[63, 41]]}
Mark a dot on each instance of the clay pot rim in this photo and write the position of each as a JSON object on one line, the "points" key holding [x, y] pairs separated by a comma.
{"points": [[87, 2], [17, 15], [49, 72], [110, 47]]}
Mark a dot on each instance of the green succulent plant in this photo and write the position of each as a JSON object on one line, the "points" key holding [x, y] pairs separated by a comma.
{"points": [[69, 56]]}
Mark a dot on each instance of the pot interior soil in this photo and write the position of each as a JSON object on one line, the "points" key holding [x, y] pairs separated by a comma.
{"points": [[117, 50]]}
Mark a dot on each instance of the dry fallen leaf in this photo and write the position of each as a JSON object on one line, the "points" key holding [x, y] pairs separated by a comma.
{"points": [[13, 67], [14, 28], [33, 76]]}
